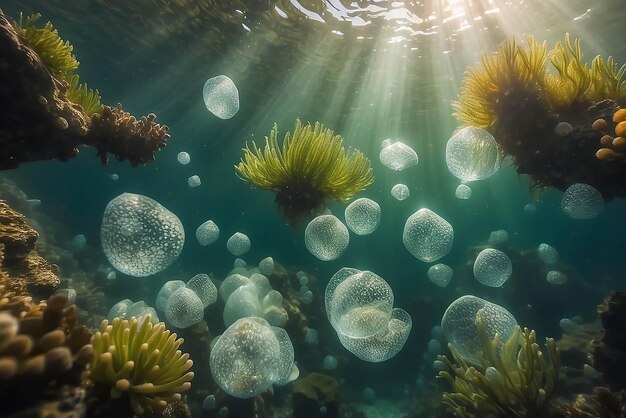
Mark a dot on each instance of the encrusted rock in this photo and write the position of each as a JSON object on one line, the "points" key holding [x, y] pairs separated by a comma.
{"points": [[16, 235], [609, 352]]}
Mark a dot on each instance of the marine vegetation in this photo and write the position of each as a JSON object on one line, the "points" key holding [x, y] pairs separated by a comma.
{"points": [[141, 360], [311, 166], [540, 104], [514, 379], [57, 55]]}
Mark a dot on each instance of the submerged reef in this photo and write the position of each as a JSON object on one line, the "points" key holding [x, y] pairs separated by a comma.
{"points": [[49, 114], [544, 119], [309, 167], [609, 351]]}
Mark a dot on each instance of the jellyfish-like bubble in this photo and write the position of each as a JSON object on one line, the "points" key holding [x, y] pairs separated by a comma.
{"points": [[369, 395], [140, 310], [398, 156], [567, 325], [232, 283], [139, 236], [69, 293], [307, 297], [183, 158], [209, 403], [440, 274], [581, 201], [207, 233], [326, 237], [238, 244], [556, 277], [472, 154], [78, 243], [498, 237], [194, 181], [547, 253], [463, 191], [184, 308], [311, 336], [427, 235], [459, 325], [115, 177], [400, 192], [250, 357], [329, 363], [434, 347], [166, 291], [492, 267], [363, 216], [563, 129], [252, 297], [119, 309], [266, 266], [530, 208], [204, 287], [221, 96]]}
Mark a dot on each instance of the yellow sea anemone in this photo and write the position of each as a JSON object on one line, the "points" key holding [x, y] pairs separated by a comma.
{"points": [[311, 165], [142, 360]]}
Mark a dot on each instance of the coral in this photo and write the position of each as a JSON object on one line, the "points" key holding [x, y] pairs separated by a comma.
{"points": [[516, 380], [310, 166], [602, 403], [520, 95], [609, 352], [314, 391], [52, 114], [141, 360], [614, 145]]}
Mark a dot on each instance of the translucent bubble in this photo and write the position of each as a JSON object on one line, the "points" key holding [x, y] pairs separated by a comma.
{"points": [[440, 274], [303, 280], [232, 283], [238, 244], [239, 263], [223, 412], [400, 192], [203, 286], [311, 336], [363, 216], [329, 363], [194, 181], [119, 309], [556, 277], [207, 233], [304, 289], [78, 243], [209, 403], [307, 297], [472, 154], [140, 310], [300, 274], [547, 253], [114, 177], [463, 191], [460, 327], [439, 366], [183, 158], [243, 302], [568, 325], [221, 97], [436, 332], [266, 266], [369, 395], [184, 308], [398, 156], [563, 129], [326, 237], [69, 293], [139, 236], [323, 410], [427, 235], [434, 346], [498, 237], [111, 276], [530, 208], [492, 267], [166, 291], [581, 201], [251, 356]]}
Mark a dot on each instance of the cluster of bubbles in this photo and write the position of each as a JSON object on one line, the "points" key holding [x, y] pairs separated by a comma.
{"points": [[472, 154], [440, 274], [307, 295], [582, 201], [549, 255], [139, 236], [459, 325], [207, 233], [221, 96], [326, 237], [184, 304], [400, 192], [126, 309], [492, 267], [397, 155], [363, 216], [359, 305], [251, 356], [427, 235], [238, 244]]}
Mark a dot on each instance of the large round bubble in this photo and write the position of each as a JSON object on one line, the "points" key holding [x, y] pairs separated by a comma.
{"points": [[427, 235], [184, 308], [250, 357], [238, 244], [440, 274], [326, 237], [400, 192], [472, 154], [397, 156], [492, 267], [459, 325], [363, 216], [139, 236], [582, 201], [221, 96]]}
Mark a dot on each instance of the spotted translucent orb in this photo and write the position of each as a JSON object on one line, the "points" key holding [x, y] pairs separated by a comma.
{"points": [[183, 158], [398, 156], [204, 288], [238, 244], [400, 192], [463, 191], [326, 237], [440, 274], [472, 154], [194, 181], [498, 237], [547, 253], [427, 235], [266, 266], [363, 216], [221, 96], [166, 291], [207, 233], [139, 236], [563, 129], [556, 277], [492, 267], [184, 308], [582, 201]]}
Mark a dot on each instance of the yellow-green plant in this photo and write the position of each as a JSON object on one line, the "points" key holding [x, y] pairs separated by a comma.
{"points": [[142, 360], [514, 379], [310, 166], [81, 95]]}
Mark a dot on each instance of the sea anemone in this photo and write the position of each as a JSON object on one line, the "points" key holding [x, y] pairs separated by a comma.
{"points": [[142, 360], [311, 166]]}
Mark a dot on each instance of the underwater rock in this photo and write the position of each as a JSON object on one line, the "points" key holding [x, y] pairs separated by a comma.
{"points": [[609, 352], [463, 191], [238, 244], [313, 392], [139, 236], [184, 308], [472, 154], [326, 237], [397, 156], [492, 267], [362, 216], [15, 233], [440, 274], [207, 233], [427, 235], [581, 201], [221, 96], [400, 192]]}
